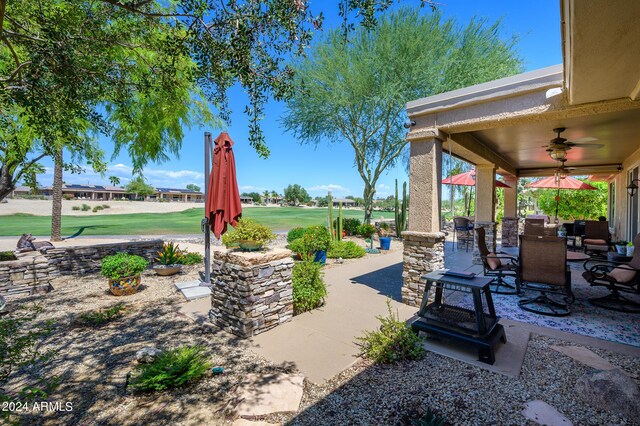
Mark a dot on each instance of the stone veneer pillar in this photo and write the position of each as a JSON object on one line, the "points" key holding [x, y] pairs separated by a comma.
{"points": [[251, 292], [423, 241], [509, 232], [423, 253], [490, 239]]}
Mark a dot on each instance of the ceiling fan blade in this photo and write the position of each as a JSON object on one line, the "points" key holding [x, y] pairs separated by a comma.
{"points": [[585, 139], [585, 145]]}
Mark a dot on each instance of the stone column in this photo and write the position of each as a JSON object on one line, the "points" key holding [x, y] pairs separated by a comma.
{"points": [[485, 207], [423, 241], [251, 292], [510, 217]]}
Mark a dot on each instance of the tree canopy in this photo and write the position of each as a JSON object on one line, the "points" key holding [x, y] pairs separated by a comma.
{"points": [[574, 205], [355, 91], [193, 187], [296, 194], [139, 187]]}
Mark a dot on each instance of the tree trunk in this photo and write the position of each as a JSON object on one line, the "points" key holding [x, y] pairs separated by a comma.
{"points": [[6, 182], [369, 192], [56, 210]]}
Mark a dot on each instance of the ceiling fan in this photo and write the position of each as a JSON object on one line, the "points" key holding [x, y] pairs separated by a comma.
{"points": [[559, 146]]}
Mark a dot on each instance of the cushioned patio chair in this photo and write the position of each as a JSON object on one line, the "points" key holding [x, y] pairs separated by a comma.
{"points": [[497, 265], [462, 232], [596, 238], [543, 269], [618, 278], [534, 227]]}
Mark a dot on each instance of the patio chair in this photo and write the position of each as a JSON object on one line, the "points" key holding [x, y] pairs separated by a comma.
{"points": [[618, 278], [596, 238], [544, 269], [462, 228], [534, 227], [498, 265]]}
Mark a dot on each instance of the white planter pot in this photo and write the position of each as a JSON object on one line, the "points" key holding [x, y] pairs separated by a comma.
{"points": [[630, 250], [621, 250]]}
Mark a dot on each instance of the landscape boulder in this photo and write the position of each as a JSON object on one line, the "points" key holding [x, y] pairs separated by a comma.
{"points": [[611, 390], [148, 354]]}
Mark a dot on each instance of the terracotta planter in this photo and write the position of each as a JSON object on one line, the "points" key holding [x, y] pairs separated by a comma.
{"points": [[166, 270], [125, 286]]}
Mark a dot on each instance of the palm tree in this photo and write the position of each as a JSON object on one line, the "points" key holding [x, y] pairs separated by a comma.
{"points": [[56, 208], [115, 180], [274, 196], [265, 196]]}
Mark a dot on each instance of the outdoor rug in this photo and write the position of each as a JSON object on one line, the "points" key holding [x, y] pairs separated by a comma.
{"points": [[585, 319]]}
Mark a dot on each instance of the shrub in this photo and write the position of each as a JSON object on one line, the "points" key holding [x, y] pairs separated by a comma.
{"points": [[173, 368], [122, 265], [366, 230], [86, 207], [170, 254], [100, 317], [351, 225], [300, 247], [97, 209], [317, 238], [295, 233], [309, 289], [67, 197], [345, 250], [393, 342], [76, 208], [106, 206], [190, 258], [7, 255], [248, 230]]}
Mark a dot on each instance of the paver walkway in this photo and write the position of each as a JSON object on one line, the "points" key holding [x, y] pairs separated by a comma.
{"points": [[321, 343]]}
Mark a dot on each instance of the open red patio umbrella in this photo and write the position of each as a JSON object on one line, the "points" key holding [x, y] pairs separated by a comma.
{"points": [[468, 179], [222, 199], [567, 182]]}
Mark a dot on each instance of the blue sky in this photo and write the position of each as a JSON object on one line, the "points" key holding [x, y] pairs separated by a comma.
{"points": [[329, 165]]}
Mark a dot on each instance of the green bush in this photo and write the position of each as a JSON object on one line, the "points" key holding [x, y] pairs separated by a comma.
{"points": [[248, 230], [7, 255], [100, 317], [345, 250], [295, 233], [309, 289], [299, 246], [366, 230], [106, 206], [76, 208], [86, 207], [351, 225], [190, 258], [170, 254], [317, 238], [122, 265], [97, 209], [393, 342], [173, 368]]}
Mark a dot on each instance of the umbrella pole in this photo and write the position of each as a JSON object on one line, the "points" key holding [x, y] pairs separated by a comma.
{"points": [[557, 202], [205, 222]]}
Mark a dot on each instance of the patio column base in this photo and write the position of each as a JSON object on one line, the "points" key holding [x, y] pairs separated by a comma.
{"points": [[251, 292], [490, 238], [509, 232], [423, 253]]}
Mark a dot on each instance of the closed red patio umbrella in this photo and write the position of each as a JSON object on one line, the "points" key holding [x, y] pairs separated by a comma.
{"points": [[223, 205], [468, 179]]}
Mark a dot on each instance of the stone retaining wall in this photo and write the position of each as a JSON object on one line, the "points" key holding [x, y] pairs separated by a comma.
{"points": [[251, 292], [423, 253], [510, 232], [32, 271]]}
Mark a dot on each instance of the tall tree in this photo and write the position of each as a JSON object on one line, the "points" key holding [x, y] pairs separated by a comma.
{"points": [[355, 90], [574, 205], [296, 194], [193, 187], [115, 180], [139, 187]]}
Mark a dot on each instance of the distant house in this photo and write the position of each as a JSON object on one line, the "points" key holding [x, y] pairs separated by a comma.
{"points": [[245, 199], [19, 191], [107, 193], [346, 202], [175, 194]]}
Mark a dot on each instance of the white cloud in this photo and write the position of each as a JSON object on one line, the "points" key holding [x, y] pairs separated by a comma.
{"points": [[250, 188], [325, 188], [382, 186]]}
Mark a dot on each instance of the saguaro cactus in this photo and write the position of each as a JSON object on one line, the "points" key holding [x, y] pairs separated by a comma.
{"points": [[330, 200], [401, 210], [339, 230]]}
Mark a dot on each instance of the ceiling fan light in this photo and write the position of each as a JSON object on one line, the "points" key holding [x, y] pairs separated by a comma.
{"points": [[558, 154]]}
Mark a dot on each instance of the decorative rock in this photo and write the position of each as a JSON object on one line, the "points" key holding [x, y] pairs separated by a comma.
{"points": [[611, 390], [584, 356], [544, 414], [147, 355]]}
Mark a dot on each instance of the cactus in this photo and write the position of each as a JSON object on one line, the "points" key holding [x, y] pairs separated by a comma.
{"points": [[330, 201], [401, 210], [339, 232]]}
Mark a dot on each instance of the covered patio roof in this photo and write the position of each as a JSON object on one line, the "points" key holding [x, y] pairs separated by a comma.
{"points": [[595, 94]]}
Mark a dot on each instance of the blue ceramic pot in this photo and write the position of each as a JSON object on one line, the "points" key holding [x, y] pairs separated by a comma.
{"points": [[321, 256]]}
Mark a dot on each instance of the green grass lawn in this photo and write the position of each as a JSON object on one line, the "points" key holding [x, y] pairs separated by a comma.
{"points": [[185, 222]]}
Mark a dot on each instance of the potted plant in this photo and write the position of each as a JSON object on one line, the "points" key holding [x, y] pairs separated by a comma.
{"points": [[317, 240], [169, 259], [621, 247], [383, 234], [630, 249], [248, 235], [366, 230], [562, 231], [123, 271]]}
